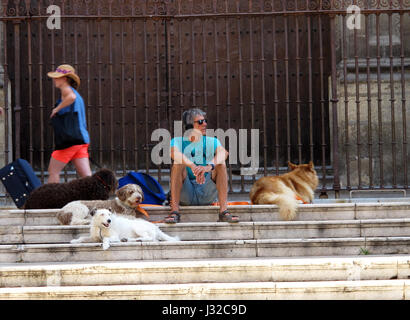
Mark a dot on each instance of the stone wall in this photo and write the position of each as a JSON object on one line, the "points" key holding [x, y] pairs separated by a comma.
{"points": [[355, 142], [353, 117]]}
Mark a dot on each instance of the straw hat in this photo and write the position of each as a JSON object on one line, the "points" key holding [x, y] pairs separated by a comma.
{"points": [[65, 70]]}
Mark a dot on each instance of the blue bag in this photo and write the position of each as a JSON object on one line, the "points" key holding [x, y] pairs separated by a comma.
{"points": [[67, 132], [19, 180], [153, 192]]}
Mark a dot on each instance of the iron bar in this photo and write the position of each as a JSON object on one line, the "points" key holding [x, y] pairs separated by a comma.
{"points": [[392, 106], [403, 104], [379, 101], [240, 61], [228, 85], [346, 103], [369, 105], [334, 101], [275, 99]]}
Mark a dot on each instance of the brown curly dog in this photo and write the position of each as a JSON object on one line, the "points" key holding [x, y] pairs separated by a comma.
{"points": [[99, 186]]}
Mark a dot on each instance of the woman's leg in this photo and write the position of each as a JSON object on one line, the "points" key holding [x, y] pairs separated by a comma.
{"points": [[54, 169], [82, 165]]}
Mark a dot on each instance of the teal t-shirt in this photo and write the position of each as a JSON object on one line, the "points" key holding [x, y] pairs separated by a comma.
{"points": [[200, 153]]}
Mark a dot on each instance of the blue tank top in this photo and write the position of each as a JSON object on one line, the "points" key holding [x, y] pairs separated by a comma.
{"points": [[79, 107]]}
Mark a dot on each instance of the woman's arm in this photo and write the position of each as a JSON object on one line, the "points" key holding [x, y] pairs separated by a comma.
{"points": [[67, 98]]}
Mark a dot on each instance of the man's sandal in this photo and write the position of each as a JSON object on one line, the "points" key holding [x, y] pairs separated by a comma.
{"points": [[225, 216], [173, 217]]}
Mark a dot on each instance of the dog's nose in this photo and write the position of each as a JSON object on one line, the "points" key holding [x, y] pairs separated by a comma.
{"points": [[109, 220]]}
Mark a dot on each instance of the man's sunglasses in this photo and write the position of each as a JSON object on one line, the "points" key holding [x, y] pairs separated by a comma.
{"points": [[200, 122]]}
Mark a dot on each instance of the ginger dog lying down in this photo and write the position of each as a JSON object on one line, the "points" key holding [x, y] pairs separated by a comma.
{"points": [[107, 227], [287, 189]]}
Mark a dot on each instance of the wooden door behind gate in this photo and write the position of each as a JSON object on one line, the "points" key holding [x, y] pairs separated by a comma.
{"points": [[143, 62]]}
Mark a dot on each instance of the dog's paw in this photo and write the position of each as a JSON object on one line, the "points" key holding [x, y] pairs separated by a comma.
{"points": [[74, 241], [124, 240], [105, 246]]}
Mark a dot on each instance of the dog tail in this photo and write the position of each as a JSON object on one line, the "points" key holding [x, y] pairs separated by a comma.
{"points": [[163, 236], [287, 204]]}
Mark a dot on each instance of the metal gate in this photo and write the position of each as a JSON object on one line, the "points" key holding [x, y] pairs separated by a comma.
{"points": [[278, 66]]}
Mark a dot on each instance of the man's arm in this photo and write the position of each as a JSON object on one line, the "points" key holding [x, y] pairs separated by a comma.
{"points": [[220, 155], [179, 158]]}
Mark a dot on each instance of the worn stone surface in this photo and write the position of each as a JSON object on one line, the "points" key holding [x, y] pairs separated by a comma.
{"points": [[350, 290], [358, 114], [363, 257]]}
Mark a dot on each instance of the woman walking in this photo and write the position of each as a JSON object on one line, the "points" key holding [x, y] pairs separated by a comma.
{"points": [[65, 79]]}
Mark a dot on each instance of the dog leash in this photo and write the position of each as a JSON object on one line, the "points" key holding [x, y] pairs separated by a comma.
{"points": [[103, 182], [141, 210], [299, 198], [146, 213], [233, 203]]}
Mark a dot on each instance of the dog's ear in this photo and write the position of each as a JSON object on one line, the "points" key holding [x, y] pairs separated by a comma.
{"points": [[93, 211], [121, 193], [292, 166], [311, 165]]}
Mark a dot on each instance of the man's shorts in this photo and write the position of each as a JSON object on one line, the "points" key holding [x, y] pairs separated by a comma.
{"points": [[195, 194], [71, 153]]}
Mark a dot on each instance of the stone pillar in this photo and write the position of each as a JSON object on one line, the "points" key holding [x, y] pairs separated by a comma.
{"points": [[359, 108]]}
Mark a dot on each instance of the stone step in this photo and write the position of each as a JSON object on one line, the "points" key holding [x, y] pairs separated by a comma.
{"points": [[306, 212], [226, 231], [206, 271], [204, 249], [330, 290]]}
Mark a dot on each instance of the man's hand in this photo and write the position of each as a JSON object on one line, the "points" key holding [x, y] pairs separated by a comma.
{"points": [[199, 172]]}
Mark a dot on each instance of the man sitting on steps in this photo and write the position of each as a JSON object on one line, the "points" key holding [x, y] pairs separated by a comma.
{"points": [[198, 173]]}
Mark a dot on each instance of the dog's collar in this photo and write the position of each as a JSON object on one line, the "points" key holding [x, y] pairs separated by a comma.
{"points": [[103, 182]]}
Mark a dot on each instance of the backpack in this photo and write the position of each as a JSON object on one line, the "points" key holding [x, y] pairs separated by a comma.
{"points": [[153, 192]]}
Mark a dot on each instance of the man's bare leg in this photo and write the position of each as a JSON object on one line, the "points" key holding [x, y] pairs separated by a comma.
{"points": [[220, 176], [178, 175]]}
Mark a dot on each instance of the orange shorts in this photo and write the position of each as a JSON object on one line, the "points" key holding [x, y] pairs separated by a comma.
{"points": [[74, 152]]}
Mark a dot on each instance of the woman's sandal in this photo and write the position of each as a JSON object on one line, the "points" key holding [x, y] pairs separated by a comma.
{"points": [[225, 216], [173, 217]]}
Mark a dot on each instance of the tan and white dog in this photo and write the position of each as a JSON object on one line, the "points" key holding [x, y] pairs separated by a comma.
{"points": [[107, 227], [287, 190], [127, 201]]}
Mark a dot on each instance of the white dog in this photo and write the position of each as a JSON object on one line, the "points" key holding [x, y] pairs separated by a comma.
{"points": [[108, 227]]}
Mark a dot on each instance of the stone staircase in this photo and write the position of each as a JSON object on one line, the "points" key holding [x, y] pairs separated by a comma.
{"points": [[332, 251]]}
